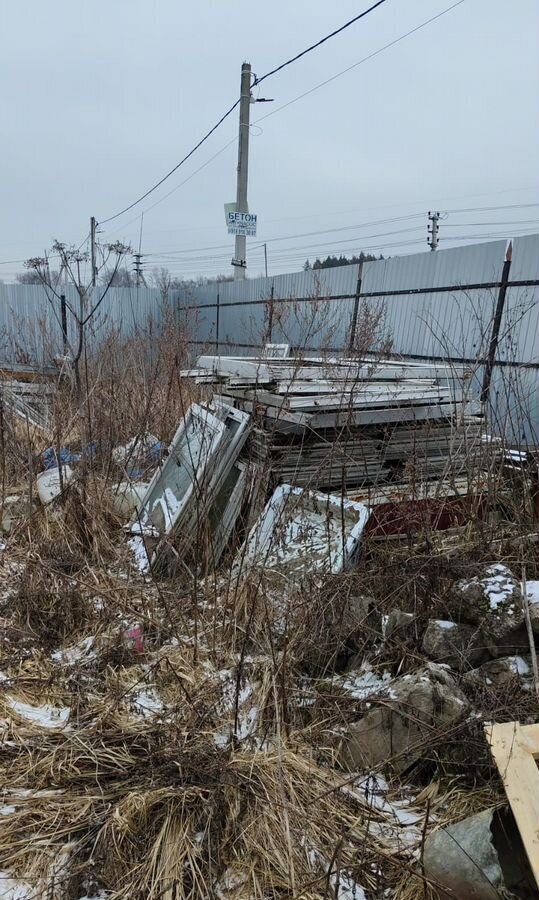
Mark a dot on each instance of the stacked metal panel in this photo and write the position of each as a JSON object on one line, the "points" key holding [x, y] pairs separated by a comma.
{"points": [[338, 424]]}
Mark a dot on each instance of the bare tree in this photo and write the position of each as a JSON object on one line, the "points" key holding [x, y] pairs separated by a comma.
{"points": [[89, 296]]}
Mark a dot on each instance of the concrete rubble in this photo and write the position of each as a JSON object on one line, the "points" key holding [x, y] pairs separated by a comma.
{"points": [[480, 858], [404, 719]]}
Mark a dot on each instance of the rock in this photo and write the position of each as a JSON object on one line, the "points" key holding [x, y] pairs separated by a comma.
{"points": [[477, 598], [493, 602], [480, 858], [499, 672], [404, 721], [348, 625], [460, 646], [361, 614], [401, 627]]}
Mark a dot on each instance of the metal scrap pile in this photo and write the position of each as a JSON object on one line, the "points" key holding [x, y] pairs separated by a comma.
{"points": [[343, 424]]}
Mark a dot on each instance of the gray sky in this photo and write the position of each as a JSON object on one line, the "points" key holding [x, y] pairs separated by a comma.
{"points": [[103, 97]]}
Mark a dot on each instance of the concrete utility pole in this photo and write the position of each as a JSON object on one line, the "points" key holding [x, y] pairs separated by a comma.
{"points": [[433, 229], [240, 252], [93, 226]]}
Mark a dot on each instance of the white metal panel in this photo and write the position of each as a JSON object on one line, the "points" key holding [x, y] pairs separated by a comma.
{"points": [[474, 264]]}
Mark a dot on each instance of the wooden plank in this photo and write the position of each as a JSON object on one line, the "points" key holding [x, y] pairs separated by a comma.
{"points": [[514, 749]]}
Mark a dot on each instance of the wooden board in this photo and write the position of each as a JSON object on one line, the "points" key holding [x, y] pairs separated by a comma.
{"points": [[515, 749]]}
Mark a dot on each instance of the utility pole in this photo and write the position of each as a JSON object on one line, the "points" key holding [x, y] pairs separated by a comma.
{"points": [[240, 251], [139, 274], [93, 225], [266, 259], [433, 229]]}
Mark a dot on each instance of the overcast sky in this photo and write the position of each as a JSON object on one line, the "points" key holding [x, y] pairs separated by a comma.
{"points": [[102, 97]]}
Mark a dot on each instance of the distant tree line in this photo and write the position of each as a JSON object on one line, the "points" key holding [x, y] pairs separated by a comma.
{"points": [[161, 277], [331, 261], [123, 277]]}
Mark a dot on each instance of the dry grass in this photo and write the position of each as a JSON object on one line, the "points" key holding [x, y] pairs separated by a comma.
{"points": [[191, 769]]}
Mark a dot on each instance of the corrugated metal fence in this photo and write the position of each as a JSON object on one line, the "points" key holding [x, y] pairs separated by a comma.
{"points": [[426, 306], [31, 322]]}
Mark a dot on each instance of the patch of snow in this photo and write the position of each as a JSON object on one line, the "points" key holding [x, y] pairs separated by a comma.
{"points": [[139, 551], [445, 625], [7, 810], [518, 665], [146, 703], [364, 683], [143, 528], [13, 889], [247, 723], [498, 587], [374, 789], [532, 591], [44, 716], [77, 653]]}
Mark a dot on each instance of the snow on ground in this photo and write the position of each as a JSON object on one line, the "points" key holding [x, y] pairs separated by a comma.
{"points": [[498, 586], [44, 716], [518, 665], [532, 591], [364, 682], [146, 703], [403, 825], [13, 889], [81, 652], [138, 549], [445, 624]]}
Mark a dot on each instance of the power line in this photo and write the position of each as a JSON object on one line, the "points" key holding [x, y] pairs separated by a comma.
{"points": [[273, 112], [267, 75], [176, 167], [231, 110], [318, 43], [170, 254], [487, 208], [287, 237]]}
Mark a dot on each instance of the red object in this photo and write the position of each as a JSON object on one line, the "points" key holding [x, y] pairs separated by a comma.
{"points": [[437, 514], [134, 638]]}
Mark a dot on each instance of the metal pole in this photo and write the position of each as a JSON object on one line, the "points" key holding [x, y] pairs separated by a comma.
{"points": [[92, 248], [240, 252], [496, 324], [63, 313], [266, 259]]}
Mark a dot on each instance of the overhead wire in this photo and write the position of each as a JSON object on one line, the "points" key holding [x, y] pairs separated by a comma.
{"points": [[176, 167], [171, 253], [360, 62], [231, 110], [318, 43], [274, 111]]}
